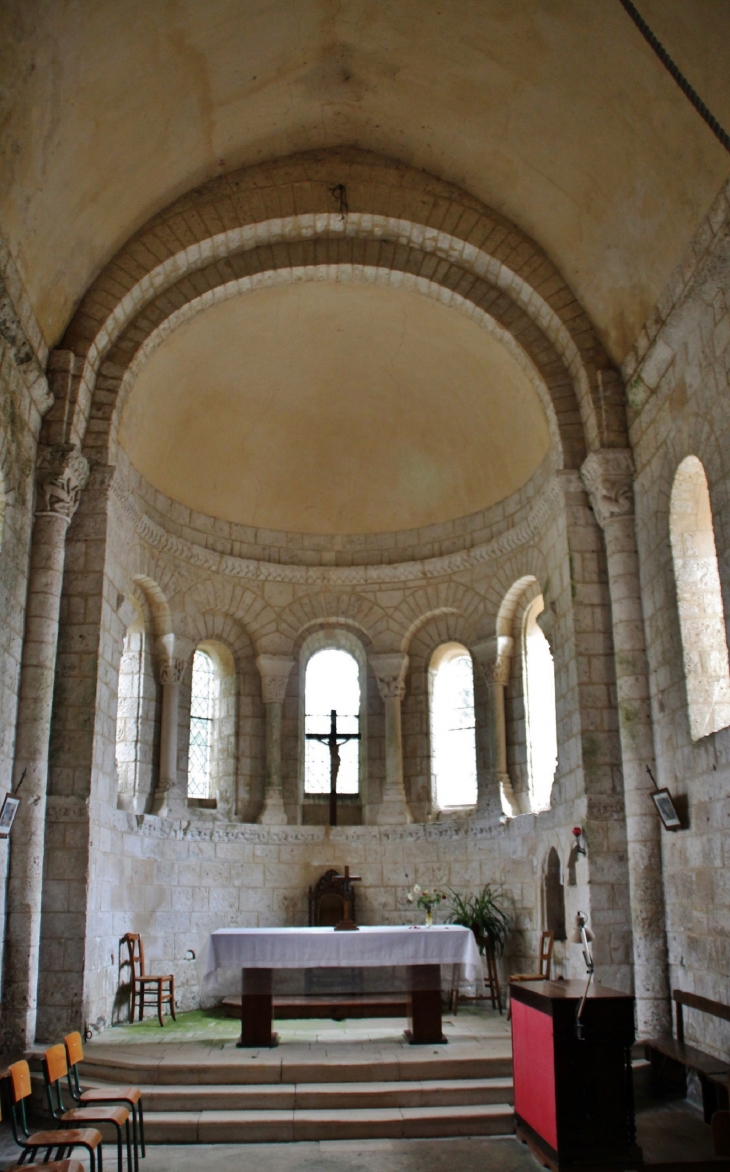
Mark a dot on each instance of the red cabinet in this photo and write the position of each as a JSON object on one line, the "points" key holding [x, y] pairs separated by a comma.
{"points": [[573, 1095]]}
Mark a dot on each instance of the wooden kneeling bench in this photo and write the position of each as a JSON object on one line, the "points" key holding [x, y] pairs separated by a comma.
{"points": [[671, 1058]]}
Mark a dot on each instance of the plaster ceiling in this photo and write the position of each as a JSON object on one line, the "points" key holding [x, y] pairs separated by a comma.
{"points": [[334, 408], [554, 112]]}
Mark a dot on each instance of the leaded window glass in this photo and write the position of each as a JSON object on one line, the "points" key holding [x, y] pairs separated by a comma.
{"points": [[202, 701], [332, 680]]}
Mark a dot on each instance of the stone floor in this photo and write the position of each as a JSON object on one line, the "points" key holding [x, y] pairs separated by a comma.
{"points": [[666, 1131]]}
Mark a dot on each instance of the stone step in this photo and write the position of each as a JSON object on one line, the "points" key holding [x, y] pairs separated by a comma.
{"points": [[233, 1067], [283, 1126], [327, 1096]]}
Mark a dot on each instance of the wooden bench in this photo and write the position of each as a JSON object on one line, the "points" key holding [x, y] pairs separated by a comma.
{"points": [[671, 1058]]}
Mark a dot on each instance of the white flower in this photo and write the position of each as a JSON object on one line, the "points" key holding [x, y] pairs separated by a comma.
{"points": [[416, 889], [409, 897]]}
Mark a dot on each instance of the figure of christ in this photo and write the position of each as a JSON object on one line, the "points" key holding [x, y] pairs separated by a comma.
{"points": [[333, 740]]}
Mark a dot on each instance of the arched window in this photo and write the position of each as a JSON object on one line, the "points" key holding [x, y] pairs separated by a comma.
{"points": [[135, 751], [203, 697], [332, 681], [453, 738], [699, 597], [539, 692]]}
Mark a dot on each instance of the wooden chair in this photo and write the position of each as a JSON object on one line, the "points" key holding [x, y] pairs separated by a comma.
{"points": [[491, 979], [16, 1089], [545, 959], [326, 904], [52, 1166], [130, 1097], [55, 1069], [146, 989]]}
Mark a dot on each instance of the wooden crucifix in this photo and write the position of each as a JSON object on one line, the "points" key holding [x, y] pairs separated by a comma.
{"points": [[346, 924], [333, 741]]}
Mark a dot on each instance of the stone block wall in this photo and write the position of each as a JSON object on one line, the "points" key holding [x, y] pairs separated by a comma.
{"points": [[679, 391]]}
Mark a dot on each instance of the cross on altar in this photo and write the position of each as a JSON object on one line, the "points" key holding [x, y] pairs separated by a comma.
{"points": [[346, 924], [333, 740]]}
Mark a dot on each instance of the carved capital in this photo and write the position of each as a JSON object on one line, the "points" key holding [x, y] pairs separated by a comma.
{"points": [[172, 671], [494, 657], [608, 477], [274, 671], [61, 473], [390, 674]]}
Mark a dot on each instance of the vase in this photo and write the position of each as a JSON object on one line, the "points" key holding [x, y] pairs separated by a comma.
{"points": [[429, 918]]}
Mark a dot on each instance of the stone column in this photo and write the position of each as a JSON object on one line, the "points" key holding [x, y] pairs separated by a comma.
{"points": [[169, 801], [61, 474], [608, 478], [494, 656], [274, 671], [390, 674]]}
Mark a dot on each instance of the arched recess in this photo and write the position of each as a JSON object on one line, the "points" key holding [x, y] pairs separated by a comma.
{"points": [[554, 896], [314, 809], [240, 766], [138, 717], [699, 601], [438, 628], [282, 216], [530, 704]]}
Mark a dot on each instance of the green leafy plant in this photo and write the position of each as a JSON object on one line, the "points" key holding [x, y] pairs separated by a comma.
{"points": [[484, 914]]}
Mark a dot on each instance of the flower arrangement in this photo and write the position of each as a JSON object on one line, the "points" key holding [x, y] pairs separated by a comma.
{"points": [[426, 900]]}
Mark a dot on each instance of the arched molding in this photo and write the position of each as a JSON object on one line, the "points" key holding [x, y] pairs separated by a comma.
{"points": [[423, 603], [407, 220], [520, 594], [157, 603], [332, 609]]}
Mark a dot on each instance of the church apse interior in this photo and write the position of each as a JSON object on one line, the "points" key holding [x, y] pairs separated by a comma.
{"points": [[372, 355]]}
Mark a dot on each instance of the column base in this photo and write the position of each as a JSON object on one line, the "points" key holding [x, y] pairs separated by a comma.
{"points": [[393, 810], [273, 813]]}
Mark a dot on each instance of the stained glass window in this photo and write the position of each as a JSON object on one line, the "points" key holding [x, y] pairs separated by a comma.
{"points": [[332, 681], [202, 701], [453, 736]]}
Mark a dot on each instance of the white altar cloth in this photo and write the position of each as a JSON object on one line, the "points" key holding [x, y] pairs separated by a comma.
{"points": [[229, 950]]}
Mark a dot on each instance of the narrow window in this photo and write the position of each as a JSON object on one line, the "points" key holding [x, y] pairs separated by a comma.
{"points": [[332, 681], [453, 739], [202, 703], [699, 598], [540, 724], [129, 717]]}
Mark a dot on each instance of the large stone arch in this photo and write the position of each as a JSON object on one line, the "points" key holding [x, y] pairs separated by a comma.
{"points": [[283, 216]]}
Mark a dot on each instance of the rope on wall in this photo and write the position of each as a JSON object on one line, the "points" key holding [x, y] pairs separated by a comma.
{"points": [[679, 77]]}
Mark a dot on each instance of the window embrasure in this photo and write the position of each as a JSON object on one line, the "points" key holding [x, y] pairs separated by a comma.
{"points": [[699, 599]]}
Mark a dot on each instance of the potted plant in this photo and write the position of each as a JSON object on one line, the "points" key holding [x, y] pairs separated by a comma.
{"points": [[484, 914]]}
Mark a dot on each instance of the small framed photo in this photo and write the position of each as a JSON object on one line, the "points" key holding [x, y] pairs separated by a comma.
{"points": [[7, 814], [667, 810]]}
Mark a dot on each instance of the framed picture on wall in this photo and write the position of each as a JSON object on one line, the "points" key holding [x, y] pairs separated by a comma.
{"points": [[7, 814], [667, 811]]}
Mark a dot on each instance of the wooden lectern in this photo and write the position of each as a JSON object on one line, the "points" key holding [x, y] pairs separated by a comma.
{"points": [[574, 1103]]}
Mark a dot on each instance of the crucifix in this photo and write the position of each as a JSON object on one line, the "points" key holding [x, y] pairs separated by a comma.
{"points": [[333, 741], [346, 924]]}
